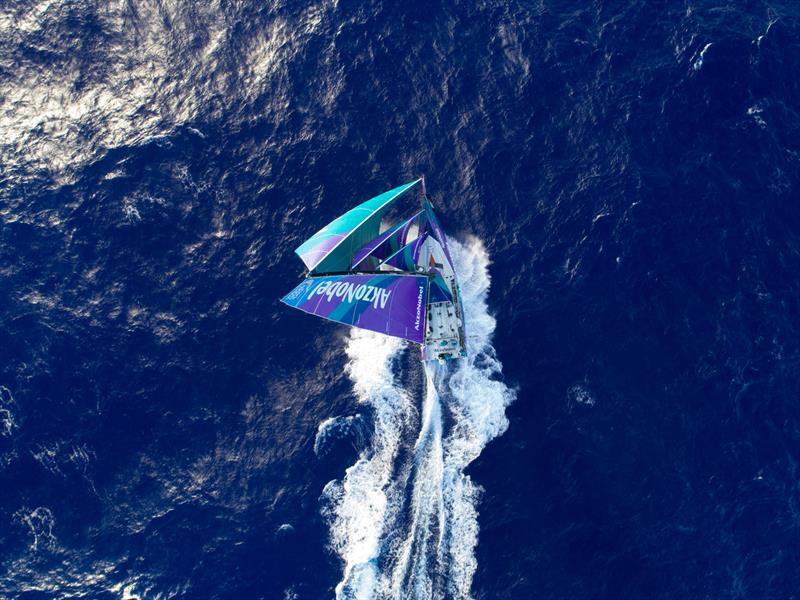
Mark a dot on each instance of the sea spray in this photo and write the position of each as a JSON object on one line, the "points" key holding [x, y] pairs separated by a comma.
{"points": [[357, 506], [405, 523], [476, 400], [413, 575]]}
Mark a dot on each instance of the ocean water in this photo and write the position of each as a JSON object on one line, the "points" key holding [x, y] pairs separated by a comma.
{"points": [[621, 179]]}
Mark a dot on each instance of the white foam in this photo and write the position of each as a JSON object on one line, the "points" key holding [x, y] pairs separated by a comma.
{"points": [[358, 505], [7, 423], [580, 394], [335, 427], [412, 576], [698, 62], [420, 545], [40, 522], [477, 400]]}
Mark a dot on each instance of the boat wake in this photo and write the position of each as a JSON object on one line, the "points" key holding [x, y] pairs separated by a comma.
{"points": [[404, 518]]}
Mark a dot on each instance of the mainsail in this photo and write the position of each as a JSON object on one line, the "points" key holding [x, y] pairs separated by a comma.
{"points": [[400, 282]]}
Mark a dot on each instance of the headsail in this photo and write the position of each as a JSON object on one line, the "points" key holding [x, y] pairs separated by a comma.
{"points": [[390, 241], [432, 224], [391, 304], [407, 257], [331, 249]]}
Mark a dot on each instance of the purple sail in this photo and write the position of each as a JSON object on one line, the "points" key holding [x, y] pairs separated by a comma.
{"points": [[436, 230], [390, 304]]}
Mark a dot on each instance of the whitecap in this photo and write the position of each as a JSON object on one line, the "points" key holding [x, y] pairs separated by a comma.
{"points": [[698, 62], [7, 404], [580, 394]]}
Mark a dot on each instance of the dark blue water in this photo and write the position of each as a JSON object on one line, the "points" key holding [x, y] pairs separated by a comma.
{"points": [[632, 169]]}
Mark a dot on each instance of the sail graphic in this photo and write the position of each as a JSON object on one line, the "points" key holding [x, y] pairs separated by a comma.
{"points": [[370, 256], [382, 281], [392, 304], [439, 291], [407, 257], [331, 249], [432, 225]]}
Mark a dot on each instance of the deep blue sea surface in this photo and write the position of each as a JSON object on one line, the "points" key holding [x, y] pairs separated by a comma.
{"points": [[632, 169]]}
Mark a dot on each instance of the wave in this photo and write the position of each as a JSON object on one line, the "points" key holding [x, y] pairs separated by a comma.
{"points": [[404, 518], [357, 506], [7, 422]]}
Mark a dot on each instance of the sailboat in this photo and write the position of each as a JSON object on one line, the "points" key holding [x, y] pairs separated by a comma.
{"points": [[398, 281]]}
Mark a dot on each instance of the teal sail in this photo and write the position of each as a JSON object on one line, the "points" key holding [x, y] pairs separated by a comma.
{"points": [[332, 248], [439, 290]]}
